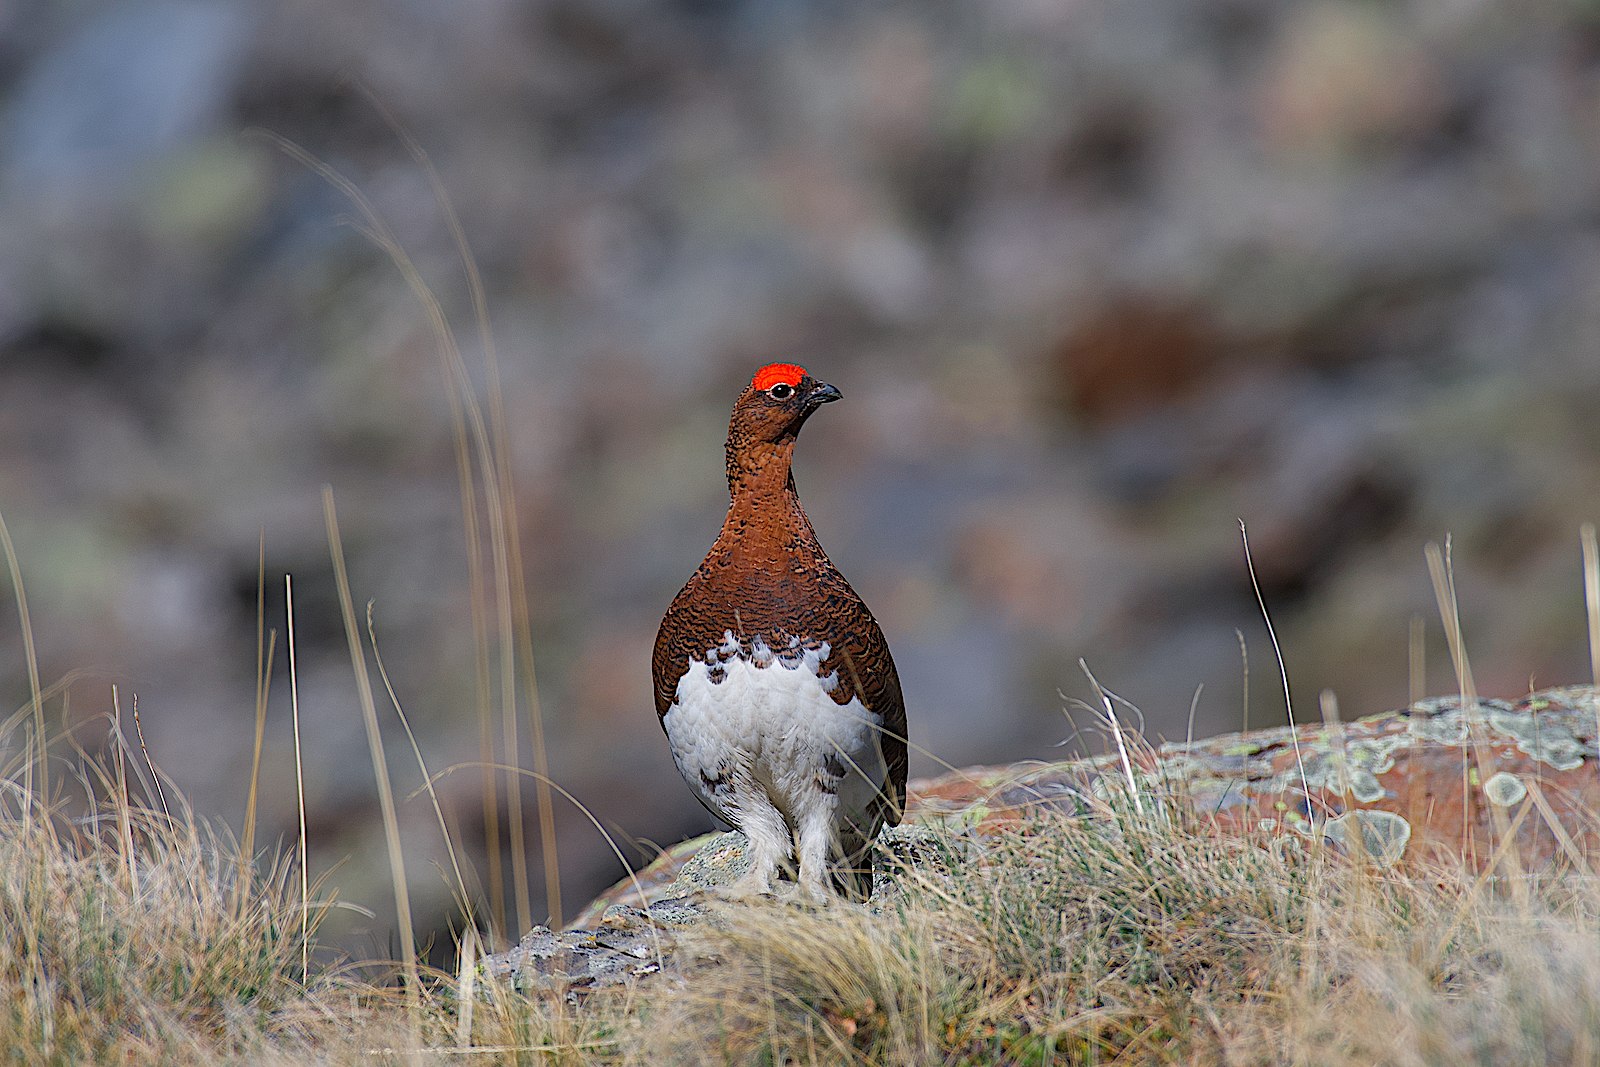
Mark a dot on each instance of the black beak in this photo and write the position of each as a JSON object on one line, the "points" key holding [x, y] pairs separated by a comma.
{"points": [[822, 393]]}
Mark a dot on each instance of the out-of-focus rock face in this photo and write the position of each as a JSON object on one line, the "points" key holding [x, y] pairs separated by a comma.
{"points": [[1097, 281]]}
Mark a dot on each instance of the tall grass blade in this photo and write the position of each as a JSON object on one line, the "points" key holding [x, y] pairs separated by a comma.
{"points": [[380, 765], [299, 780], [1283, 672], [39, 744]]}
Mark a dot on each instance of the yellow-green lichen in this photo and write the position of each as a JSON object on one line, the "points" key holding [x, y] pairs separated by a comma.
{"points": [[966, 818], [1353, 770], [1375, 754]]}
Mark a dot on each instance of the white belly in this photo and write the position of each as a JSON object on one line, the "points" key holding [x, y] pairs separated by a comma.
{"points": [[763, 730]]}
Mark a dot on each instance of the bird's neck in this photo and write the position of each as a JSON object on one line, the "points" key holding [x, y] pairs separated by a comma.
{"points": [[765, 506]]}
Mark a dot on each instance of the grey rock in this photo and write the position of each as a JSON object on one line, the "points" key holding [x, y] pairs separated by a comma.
{"points": [[129, 86], [629, 944]]}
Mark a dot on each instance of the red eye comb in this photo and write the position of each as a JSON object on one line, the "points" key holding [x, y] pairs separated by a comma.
{"points": [[773, 373]]}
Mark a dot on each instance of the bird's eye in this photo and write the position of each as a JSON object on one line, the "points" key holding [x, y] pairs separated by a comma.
{"points": [[781, 391]]}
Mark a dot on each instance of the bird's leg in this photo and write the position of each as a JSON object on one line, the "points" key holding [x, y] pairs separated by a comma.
{"points": [[766, 843], [817, 846]]}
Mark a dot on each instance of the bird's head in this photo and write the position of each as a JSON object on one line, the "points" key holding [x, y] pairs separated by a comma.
{"points": [[777, 403], [769, 413]]}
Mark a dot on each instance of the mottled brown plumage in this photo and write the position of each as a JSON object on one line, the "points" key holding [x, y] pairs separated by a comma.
{"points": [[768, 583]]}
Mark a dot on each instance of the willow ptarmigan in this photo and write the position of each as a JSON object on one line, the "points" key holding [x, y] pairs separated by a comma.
{"points": [[772, 680]]}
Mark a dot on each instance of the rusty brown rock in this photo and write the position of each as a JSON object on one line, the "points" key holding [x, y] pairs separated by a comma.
{"points": [[1444, 779]]}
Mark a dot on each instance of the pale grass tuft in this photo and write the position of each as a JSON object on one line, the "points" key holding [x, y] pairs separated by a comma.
{"points": [[784, 981], [138, 935]]}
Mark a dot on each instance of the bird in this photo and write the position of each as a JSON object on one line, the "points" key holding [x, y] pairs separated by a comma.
{"points": [[773, 681]]}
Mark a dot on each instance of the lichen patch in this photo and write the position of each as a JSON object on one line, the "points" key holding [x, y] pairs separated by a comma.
{"points": [[1384, 835], [1504, 789]]}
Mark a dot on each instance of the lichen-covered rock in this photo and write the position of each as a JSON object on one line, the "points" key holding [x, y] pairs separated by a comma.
{"points": [[616, 942], [1445, 777], [623, 945]]}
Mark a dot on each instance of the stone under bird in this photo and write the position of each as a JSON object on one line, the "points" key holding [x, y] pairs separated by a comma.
{"points": [[773, 682]]}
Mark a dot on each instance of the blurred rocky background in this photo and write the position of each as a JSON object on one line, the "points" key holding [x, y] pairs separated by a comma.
{"points": [[1097, 279]]}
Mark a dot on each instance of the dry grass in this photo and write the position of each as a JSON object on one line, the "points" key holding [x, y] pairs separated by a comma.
{"points": [[137, 937], [1133, 936], [1136, 939]]}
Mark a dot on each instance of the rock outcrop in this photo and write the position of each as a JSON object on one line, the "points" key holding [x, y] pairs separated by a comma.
{"points": [[1445, 779]]}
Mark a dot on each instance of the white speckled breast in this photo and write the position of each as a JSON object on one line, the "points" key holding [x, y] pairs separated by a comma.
{"points": [[753, 728]]}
